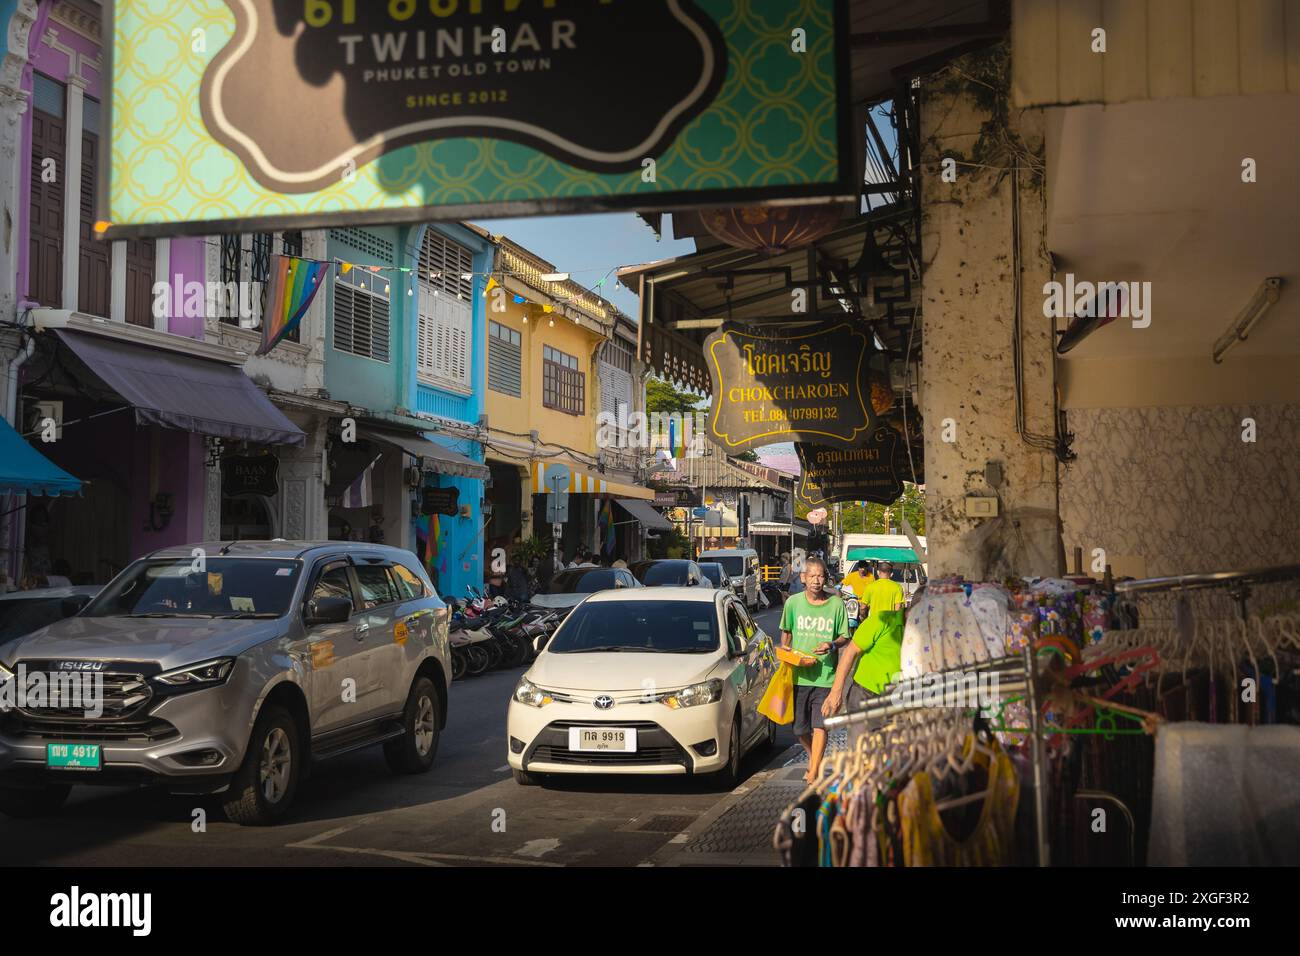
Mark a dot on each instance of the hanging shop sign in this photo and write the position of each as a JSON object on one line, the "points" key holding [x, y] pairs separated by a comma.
{"points": [[307, 113], [250, 475], [811, 386], [439, 501], [665, 499], [866, 473]]}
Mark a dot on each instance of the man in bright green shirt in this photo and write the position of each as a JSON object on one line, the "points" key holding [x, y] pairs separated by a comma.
{"points": [[814, 622], [874, 656]]}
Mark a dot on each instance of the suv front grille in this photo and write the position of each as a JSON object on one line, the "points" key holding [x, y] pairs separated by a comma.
{"points": [[90, 731], [124, 695]]}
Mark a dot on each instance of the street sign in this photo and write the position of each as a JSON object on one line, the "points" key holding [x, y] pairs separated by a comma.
{"points": [[271, 114], [556, 480]]}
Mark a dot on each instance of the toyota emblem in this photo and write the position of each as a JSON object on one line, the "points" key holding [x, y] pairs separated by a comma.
{"points": [[604, 702]]}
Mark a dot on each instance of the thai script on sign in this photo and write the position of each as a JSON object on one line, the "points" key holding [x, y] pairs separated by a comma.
{"points": [[803, 360]]}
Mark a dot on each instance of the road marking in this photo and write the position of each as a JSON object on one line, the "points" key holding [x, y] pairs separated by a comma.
{"points": [[327, 835], [502, 769], [680, 838], [537, 848], [410, 856]]}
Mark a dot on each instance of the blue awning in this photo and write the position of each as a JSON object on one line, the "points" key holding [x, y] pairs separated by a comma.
{"points": [[25, 471]]}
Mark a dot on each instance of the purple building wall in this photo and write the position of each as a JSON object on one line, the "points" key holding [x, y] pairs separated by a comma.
{"points": [[117, 445]]}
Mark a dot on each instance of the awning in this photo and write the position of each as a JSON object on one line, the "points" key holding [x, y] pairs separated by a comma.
{"points": [[650, 519], [776, 529], [184, 392], [581, 483], [437, 458], [899, 555], [25, 471]]}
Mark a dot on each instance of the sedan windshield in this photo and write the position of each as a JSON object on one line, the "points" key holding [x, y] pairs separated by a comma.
{"points": [[583, 581], [734, 563], [22, 616], [660, 573], [663, 627], [227, 587]]}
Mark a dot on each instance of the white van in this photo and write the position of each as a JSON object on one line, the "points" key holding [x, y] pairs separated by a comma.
{"points": [[741, 565], [894, 548]]}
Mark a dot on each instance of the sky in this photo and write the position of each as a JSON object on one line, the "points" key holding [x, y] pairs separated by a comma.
{"points": [[591, 247]]}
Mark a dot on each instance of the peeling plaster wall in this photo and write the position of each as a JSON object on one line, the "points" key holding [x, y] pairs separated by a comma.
{"points": [[967, 376], [1175, 490]]}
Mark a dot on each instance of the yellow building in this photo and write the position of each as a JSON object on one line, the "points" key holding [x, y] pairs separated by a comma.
{"points": [[554, 363]]}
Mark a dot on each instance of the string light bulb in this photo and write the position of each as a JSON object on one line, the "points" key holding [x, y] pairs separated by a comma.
{"points": [[551, 323], [387, 287]]}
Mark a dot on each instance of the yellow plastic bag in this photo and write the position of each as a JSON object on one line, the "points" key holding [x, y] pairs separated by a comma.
{"points": [[777, 704]]}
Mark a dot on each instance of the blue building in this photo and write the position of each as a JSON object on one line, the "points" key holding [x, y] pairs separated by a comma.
{"points": [[406, 348]]}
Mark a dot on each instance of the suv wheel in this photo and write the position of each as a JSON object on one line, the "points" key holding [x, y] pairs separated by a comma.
{"points": [[264, 786], [37, 801], [415, 750]]}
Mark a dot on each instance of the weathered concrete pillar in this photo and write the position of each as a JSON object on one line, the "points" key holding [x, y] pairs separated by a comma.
{"points": [[969, 376]]}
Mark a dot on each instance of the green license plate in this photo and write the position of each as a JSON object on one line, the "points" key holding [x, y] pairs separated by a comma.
{"points": [[72, 756]]}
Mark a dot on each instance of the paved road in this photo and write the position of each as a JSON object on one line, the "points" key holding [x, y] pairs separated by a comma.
{"points": [[354, 812]]}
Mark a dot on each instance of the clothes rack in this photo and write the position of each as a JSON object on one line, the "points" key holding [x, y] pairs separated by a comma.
{"points": [[1022, 669], [1237, 583]]}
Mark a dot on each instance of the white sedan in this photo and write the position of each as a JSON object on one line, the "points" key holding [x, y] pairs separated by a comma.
{"points": [[645, 681]]}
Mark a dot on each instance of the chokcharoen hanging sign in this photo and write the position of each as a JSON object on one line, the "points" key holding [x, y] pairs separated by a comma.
{"points": [[297, 113], [811, 386], [866, 473]]}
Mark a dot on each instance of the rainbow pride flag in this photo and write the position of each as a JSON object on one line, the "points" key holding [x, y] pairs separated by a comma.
{"points": [[294, 284]]}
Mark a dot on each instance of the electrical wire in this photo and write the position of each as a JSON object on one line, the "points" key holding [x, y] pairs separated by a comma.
{"points": [[1042, 442]]}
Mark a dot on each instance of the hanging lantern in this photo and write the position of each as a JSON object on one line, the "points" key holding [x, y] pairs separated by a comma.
{"points": [[772, 229]]}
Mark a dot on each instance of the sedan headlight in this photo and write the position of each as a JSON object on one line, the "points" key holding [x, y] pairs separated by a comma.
{"points": [[208, 674], [526, 692], [708, 692]]}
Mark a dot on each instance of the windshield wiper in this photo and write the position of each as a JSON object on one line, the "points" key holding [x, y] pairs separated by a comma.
{"points": [[166, 614], [249, 614]]}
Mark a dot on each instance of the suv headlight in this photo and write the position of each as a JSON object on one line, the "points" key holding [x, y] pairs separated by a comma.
{"points": [[208, 674], [526, 692], [708, 692]]}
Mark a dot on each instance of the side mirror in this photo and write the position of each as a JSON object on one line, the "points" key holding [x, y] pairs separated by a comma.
{"points": [[328, 610], [73, 604]]}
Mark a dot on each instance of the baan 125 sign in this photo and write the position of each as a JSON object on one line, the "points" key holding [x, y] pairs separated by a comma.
{"points": [[318, 112]]}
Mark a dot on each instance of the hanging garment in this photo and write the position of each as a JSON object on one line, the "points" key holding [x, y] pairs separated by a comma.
{"points": [[927, 842], [994, 610], [1226, 795]]}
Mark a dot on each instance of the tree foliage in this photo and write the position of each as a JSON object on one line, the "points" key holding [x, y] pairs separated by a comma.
{"points": [[662, 397]]}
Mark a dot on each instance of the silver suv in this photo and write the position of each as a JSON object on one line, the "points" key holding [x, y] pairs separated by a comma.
{"points": [[228, 668]]}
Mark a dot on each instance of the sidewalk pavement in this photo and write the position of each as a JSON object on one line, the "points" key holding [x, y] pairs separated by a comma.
{"points": [[738, 831]]}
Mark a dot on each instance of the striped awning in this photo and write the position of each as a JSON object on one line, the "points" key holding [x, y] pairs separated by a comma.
{"points": [[581, 483]]}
